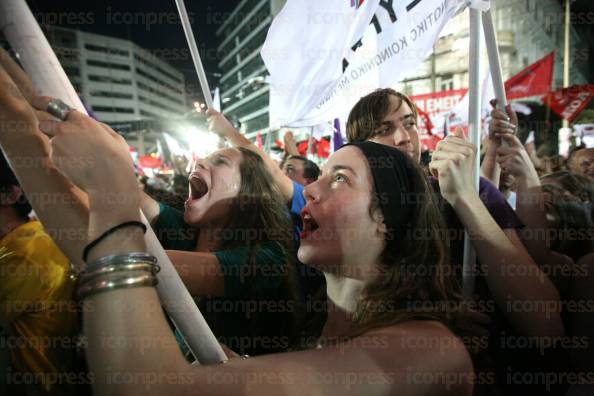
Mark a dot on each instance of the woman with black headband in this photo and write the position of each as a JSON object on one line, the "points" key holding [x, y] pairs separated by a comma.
{"points": [[369, 225]]}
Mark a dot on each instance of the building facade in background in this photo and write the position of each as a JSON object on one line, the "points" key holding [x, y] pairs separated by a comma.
{"points": [[527, 30], [244, 93], [116, 79], [123, 85]]}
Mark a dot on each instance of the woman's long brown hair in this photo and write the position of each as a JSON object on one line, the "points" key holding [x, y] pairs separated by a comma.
{"points": [[259, 216], [416, 280]]}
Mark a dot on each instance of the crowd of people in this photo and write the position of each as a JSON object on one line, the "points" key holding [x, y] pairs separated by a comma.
{"points": [[347, 279]]}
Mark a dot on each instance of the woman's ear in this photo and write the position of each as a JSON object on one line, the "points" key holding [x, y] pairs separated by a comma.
{"points": [[382, 229], [378, 217]]}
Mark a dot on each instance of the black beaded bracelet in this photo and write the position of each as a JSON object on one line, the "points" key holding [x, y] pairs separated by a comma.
{"points": [[108, 233]]}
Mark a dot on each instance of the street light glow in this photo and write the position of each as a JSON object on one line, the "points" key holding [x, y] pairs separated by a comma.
{"points": [[200, 142]]}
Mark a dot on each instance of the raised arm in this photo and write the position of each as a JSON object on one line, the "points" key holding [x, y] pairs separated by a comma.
{"points": [[358, 367], [511, 274], [290, 144], [150, 207], [61, 207], [513, 158], [106, 176], [220, 125], [354, 368]]}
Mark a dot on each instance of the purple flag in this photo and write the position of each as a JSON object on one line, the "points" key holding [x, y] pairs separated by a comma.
{"points": [[337, 141]]}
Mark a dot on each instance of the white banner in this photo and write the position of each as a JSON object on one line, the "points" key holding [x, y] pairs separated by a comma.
{"points": [[304, 52], [308, 90]]}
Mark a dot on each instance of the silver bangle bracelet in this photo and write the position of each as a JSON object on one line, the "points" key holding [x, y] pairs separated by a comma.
{"points": [[111, 282], [115, 268], [129, 258]]}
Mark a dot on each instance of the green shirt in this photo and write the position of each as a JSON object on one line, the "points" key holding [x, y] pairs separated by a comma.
{"points": [[173, 232], [270, 257], [253, 316]]}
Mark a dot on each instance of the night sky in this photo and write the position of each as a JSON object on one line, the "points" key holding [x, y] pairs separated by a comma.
{"points": [[152, 24]]}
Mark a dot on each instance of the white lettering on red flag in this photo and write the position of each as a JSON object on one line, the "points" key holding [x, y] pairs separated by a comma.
{"points": [[568, 103]]}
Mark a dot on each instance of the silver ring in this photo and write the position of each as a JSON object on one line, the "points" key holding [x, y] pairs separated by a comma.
{"points": [[58, 109]]}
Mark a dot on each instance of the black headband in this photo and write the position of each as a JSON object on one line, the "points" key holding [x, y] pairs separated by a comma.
{"points": [[393, 177]]}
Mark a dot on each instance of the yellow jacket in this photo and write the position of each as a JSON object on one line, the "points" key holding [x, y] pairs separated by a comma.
{"points": [[36, 302]]}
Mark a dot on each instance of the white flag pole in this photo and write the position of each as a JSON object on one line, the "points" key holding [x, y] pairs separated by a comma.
{"points": [[494, 59], [494, 63], [26, 38], [474, 92], [474, 131], [183, 14]]}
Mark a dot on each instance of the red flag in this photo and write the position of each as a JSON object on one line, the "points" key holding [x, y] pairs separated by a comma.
{"points": [[534, 80], [148, 161], [323, 148], [302, 147], [568, 103], [438, 102], [258, 140]]}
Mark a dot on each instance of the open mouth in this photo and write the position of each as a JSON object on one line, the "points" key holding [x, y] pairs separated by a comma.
{"points": [[198, 187], [309, 224]]}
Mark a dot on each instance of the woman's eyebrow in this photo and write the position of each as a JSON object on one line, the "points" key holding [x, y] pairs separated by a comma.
{"points": [[343, 167], [408, 116], [219, 156]]}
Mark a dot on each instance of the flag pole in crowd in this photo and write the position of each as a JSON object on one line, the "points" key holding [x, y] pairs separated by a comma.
{"points": [[494, 59], [479, 12], [40, 62], [187, 26], [474, 131], [205, 345], [183, 14], [566, 50]]}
